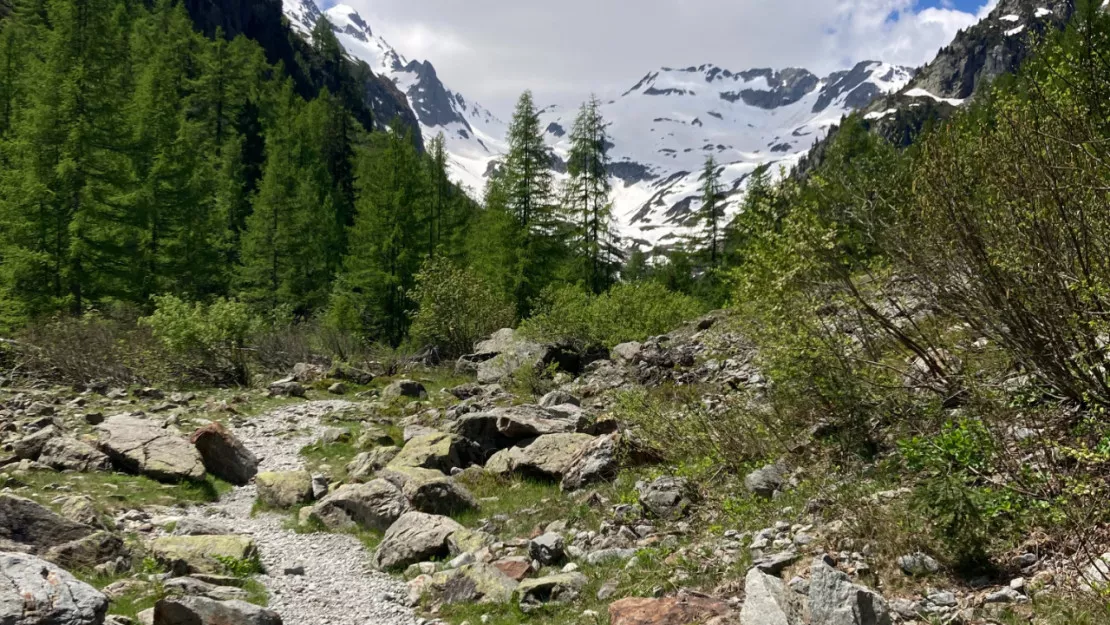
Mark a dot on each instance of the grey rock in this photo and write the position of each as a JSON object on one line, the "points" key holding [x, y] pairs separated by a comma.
{"points": [[437, 450], [367, 463], [88, 551], [625, 352], [284, 489], [287, 387], [27, 524], [430, 491], [374, 505], [194, 526], [139, 446], [30, 447], [561, 588], [548, 457], [835, 600], [547, 549], [65, 453], [766, 481], [559, 398], [917, 564], [775, 564], [667, 497], [506, 426], [594, 463], [768, 602], [224, 455], [602, 556], [36, 592], [414, 537], [404, 388], [204, 611]]}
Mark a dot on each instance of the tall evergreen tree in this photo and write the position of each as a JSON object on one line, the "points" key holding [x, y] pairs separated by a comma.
{"points": [[712, 212], [587, 196]]}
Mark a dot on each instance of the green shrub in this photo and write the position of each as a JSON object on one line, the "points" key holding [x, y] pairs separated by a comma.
{"points": [[627, 312], [211, 339], [456, 308]]}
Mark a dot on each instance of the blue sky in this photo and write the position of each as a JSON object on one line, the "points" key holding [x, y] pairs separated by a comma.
{"points": [[490, 50]]}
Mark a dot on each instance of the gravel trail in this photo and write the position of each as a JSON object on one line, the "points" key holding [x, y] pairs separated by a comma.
{"points": [[338, 587]]}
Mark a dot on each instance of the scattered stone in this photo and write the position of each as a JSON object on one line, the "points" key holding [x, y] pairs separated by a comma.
{"points": [[559, 398], [516, 568], [775, 564], [139, 446], [501, 428], [204, 611], [667, 498], [767, 481], [224, 455], [414, 537], [430, 491], [547, 549], [1005, 595], [561, 588], [688, 610], [287, 387], [918, 564], [625, 353], [36, 592], [148, 393], [405, 388], [193, 526], [338, 388], [284, 489]]}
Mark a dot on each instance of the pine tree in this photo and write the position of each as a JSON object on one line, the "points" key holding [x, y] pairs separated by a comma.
{"points": [[712, 212], [587, 196], [386, 246]]}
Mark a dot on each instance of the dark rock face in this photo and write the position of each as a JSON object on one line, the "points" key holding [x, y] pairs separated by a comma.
{"points": [[224, 455], [786, 87], [375, 103], [26, 525], [630, 172], [431, 101], [853, 82]]}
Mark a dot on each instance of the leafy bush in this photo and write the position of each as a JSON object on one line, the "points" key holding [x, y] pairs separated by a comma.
{"points": [[211, 339], [627, 312], [456, 308]]}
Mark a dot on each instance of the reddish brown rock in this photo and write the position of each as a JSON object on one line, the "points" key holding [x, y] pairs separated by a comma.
{"points": [[514, 568], [667, 611]]}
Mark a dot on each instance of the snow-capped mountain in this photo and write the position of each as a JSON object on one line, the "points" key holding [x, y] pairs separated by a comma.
{"points": [[473, 135], [662, 129]]}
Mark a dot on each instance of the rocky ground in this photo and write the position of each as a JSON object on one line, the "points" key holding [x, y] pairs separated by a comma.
{"points": [[448, 497]]}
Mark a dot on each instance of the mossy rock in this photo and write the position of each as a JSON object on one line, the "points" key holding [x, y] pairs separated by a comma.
{"points": [[187, 555], [285, 489]]}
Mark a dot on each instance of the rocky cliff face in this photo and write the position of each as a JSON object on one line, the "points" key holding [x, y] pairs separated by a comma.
{"points": [[263, 21]]}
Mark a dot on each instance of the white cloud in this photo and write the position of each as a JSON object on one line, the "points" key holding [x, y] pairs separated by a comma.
{"points": [[491, 50]]}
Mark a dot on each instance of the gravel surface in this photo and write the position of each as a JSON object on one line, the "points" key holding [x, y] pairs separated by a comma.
{"points": [[337, 587]]}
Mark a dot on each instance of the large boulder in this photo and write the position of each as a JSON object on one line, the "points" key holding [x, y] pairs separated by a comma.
{"points": [[471, 584], [224, 455], [139, 446], [430, 491], [766, 481], [27, 526], [415, 537], [438, 451], [594, 463], [668, 498], [404, 388], [205, 611], [65, 453], [689, 610], [88, 551], [284, 489], [368, 463], [769, 602], [187, 555], [36, 592], [30, 447], [835, 600], [500, 356], [506, 426], [374, 505], [548, 457]]}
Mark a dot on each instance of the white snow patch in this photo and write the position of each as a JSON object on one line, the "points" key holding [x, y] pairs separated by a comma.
{"points": [[880, 115], [1041, 12], [1010, 18], [922, 93], [1015, 31]]}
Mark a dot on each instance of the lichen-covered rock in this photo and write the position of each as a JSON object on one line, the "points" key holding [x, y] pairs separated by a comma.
{"points": [[186, 555], [205, 611], [438, 451], [284, 489], [368, 463], [65, 453], [503, 427], [835, 600], [561, 588], [415, 537], [27, 525], [374, 505], [594, 463], [667, 497], [36, 592], [404, 388], [430, 491], [472, 583], [547, 457], [140, 446], [88, 551]]}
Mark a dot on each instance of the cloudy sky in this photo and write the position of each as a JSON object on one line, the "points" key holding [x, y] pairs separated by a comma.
{"points": [[490, 50]]}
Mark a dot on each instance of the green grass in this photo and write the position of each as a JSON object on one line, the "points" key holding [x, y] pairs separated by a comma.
{"points": [[526, 502], [111, 492], [370, 539]]}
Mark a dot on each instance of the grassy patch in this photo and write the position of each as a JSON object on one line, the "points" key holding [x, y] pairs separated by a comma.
{"points": [[370, 539], [524, 503], [111, 492]]}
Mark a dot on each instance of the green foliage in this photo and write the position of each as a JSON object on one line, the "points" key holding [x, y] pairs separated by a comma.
{"points": [[211, 337], [241, 567], [456, 308], [627, 312], [587, 198]]}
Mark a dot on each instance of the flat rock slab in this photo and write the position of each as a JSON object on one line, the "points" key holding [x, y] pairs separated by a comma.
{"points": [[548, 457], [205, 611], [667, 611], [415, 537], [284, 489], [186, 555], [140, 446], [36, 592], [32, 526]]}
